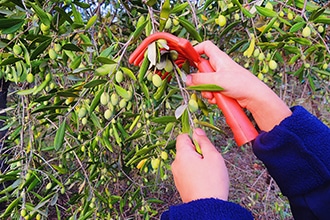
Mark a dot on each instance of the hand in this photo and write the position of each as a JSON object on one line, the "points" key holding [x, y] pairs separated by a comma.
{"points": [[196, 176], [237, 81], [266, 107]]}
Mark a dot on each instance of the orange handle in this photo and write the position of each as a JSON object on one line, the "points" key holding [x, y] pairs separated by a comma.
{"points": [[239, 123]]}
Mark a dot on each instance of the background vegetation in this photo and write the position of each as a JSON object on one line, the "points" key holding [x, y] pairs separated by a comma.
{"points": [[92, 136]]}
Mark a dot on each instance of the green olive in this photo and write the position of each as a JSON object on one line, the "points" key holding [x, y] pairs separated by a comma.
{"points": [[193, 105], [222, 20], [306, 32], [48, 186], [84, 120], [119, 76], [107, 114], [57, 47], [168, 66], [52, 54], [17, 49], [156, 80], [30, 78], [272, 64], [114, 99], [168, 23], [104, 99], [164, 155], [155, 163], [82, 112], [174, 55], [122, 103], [44, 28]]}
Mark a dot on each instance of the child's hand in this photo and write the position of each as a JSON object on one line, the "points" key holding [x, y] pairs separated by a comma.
{"points": [[237, 81], [267, 108], [196, 176]]}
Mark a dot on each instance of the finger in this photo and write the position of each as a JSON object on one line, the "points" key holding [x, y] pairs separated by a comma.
{"points": [[218, 58], [207, 48], [207, 95], [212, 101], [204, 142], [184, 144]]}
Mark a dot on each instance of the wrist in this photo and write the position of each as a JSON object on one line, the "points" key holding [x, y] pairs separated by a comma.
{"points": [[268, 110]]}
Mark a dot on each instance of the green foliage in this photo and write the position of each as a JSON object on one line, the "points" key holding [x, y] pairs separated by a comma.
{"points": [[103, 161]]}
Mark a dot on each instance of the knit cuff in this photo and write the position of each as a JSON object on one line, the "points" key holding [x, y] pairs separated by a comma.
{"points": [[296, 153], [210, 209]]}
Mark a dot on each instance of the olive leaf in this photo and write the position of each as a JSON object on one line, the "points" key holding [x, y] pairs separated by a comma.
{"points": [[266, 12], [59, 137], [122, 92], [180, 110], [205, 87], [91, 22], [105, 60], [179, 7], [250, 49], [152, 53], [128, 72], [297, 26], [164, 14]]}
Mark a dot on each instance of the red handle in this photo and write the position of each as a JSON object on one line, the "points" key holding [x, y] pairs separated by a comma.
{"points": [[237, 120]]}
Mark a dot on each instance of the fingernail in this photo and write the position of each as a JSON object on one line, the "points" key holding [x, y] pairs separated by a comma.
{"points": [[199, 131], [188, 80]]}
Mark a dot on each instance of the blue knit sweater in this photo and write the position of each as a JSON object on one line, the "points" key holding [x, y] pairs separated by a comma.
{"points": [[297, 155]]}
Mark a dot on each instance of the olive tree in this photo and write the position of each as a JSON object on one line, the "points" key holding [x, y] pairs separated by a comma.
{"points": [[91, 135]]}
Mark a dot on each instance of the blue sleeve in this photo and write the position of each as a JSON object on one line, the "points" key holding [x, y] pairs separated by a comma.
{"points": [[297, 155], [210, 209]]}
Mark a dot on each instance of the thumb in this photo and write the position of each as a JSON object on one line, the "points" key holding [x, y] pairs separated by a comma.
{"points": [[204, 142]]}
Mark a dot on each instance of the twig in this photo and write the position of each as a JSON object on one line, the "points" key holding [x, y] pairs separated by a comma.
{"points": [[258, 178], [82, 168], [323, 41], [268, 191], [303, 9], [153, 21], [25, 166], [304, 90], [236, 167], [183, 94], [193, 14], [125, 46], [290, 7]]}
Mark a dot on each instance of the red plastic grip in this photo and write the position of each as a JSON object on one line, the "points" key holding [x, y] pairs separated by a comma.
{"points": [[241, 126]]}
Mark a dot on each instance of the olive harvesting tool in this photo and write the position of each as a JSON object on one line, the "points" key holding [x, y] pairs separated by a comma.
{"points": [[242, 128]]}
